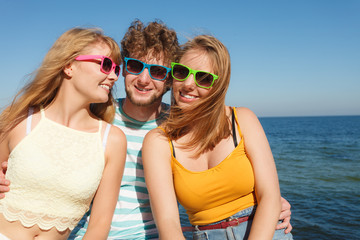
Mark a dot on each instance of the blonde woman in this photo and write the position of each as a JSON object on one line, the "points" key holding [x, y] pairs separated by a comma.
{"points": [[62, 154], [214, 159]]}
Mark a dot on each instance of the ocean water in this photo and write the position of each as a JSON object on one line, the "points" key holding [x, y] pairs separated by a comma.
{"points": [[318, 163]]}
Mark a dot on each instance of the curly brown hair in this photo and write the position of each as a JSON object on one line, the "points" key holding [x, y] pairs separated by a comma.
{"points": [[139, 40]]}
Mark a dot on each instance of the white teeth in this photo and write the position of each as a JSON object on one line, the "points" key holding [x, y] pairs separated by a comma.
{"points": [[105, 86], [142, 89], [187, 96]]}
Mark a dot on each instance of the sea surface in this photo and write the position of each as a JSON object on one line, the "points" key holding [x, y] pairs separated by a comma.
{"points": [[318, 164]]}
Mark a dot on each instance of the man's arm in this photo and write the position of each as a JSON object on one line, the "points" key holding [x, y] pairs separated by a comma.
{"points": [[4, 183], [285, 216]]}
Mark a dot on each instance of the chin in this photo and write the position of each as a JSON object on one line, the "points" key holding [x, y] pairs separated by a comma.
{"points": [[102, 100], [142, 101]]}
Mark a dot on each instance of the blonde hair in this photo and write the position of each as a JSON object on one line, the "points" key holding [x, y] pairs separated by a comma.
{"points": [[48, 78], [207, 117]]}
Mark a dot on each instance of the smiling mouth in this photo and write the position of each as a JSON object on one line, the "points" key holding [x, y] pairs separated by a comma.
{"points": [[142, 89], [105, 87], [187, 96]]}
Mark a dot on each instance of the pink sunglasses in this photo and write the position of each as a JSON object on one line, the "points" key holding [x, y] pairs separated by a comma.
{"points": [[107, 64]]}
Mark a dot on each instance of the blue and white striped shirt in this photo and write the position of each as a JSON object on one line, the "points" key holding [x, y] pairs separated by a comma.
{"points": [[132, 218]]}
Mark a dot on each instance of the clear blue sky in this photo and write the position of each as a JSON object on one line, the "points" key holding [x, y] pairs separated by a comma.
{"points": [[289, 57]]}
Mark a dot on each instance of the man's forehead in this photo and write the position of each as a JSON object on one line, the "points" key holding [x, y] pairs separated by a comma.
{"points": [[152, 58]]}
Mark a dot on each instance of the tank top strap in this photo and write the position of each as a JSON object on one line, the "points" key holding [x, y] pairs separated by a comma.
{"points": [[237, 122], [28, 120], [106, 134], [172, 149], [100, 126], [42, 111]]}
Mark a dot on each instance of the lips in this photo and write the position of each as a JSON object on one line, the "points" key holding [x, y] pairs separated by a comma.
{"points": [[187, 96], [142, 89], [106, 87]]}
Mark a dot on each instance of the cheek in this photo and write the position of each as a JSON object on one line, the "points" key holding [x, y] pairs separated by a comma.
{"points": [[176, 85], [128, 79], [204, 92], [160, 86]]}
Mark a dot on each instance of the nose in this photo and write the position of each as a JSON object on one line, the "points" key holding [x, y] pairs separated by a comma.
{"points": [[144, 77], [190, 82], [112, 76]]}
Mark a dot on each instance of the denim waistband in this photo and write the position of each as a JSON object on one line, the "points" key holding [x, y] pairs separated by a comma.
{"points": [[247, 212]]}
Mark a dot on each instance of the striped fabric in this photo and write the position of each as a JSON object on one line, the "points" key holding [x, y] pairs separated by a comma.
{"points": [[132, 218]]}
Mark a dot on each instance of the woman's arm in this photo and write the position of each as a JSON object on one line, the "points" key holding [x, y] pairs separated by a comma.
{"points": [[159, 181], [106, 196], [266, 181]]}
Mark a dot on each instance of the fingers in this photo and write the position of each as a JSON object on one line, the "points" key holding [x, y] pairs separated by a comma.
{"points": [[283, 224], [4, 187], [4, 183], [288, 229], [285, 205], [4, 166], [286, 225], [285, 215]]}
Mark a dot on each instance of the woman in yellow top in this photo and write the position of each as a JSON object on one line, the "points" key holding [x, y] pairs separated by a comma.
{"points": [[214, 159], [61, 152]]}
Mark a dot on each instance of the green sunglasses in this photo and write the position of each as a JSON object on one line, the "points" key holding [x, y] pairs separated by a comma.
{"points": [[202, 79]]}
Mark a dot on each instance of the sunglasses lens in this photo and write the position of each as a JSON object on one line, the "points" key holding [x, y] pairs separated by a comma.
{"points": [[117, 70], [107, 64], [180, 72], [134, 66], [158, 72], [204, 79]]}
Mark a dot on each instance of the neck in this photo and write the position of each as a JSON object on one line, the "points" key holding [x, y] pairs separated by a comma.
{"points": [[142, 113], [71, 112], [69, 115]]}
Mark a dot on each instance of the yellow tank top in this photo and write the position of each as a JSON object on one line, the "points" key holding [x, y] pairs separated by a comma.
{"points": [[54, 173], [217, 193]]}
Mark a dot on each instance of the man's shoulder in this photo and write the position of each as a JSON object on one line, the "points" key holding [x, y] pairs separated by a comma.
{"points": [[118, 102]]}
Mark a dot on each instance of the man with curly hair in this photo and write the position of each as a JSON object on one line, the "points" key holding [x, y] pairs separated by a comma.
{"points": [[147, 52]]}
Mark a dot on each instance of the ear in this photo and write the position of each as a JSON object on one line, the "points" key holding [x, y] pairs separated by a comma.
{"points": [[68, 70]]}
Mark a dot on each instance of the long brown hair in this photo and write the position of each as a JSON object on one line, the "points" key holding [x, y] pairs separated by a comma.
{"points": [[48, 78], [207, 117]]}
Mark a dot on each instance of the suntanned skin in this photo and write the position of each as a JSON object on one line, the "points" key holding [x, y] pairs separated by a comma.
{"points": [[135, 108], [71, 108], [157, 160]]}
